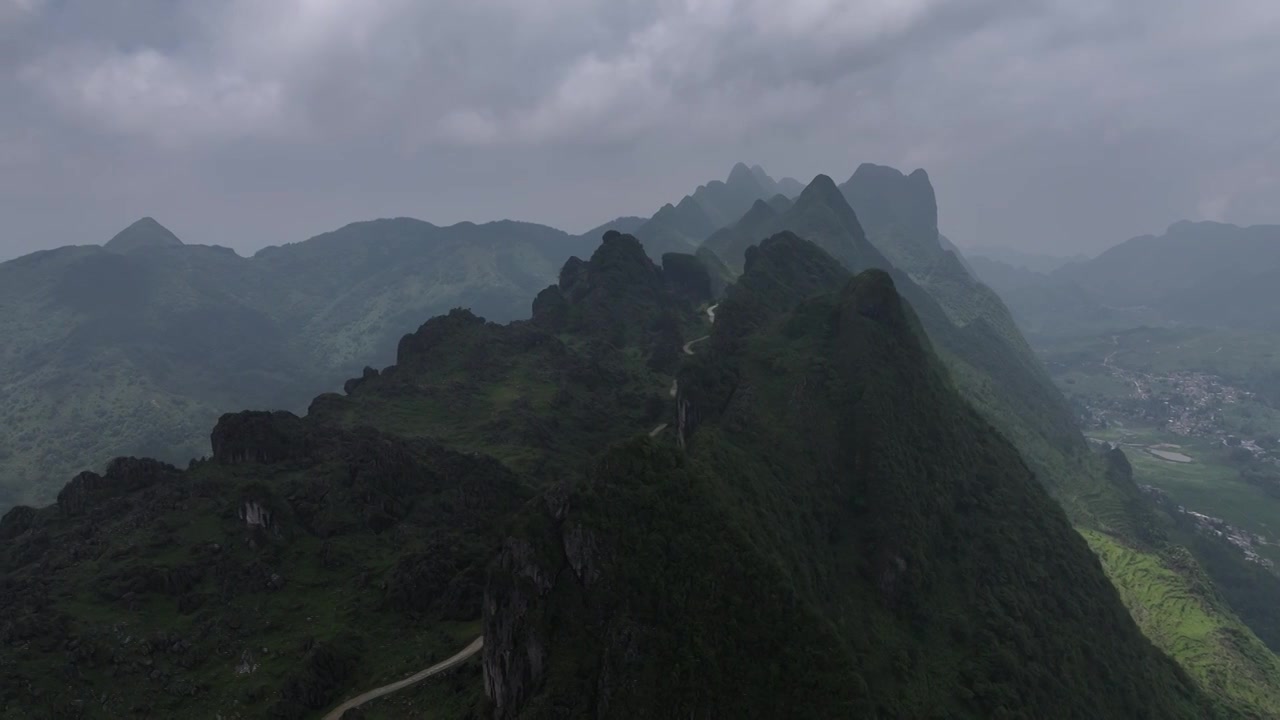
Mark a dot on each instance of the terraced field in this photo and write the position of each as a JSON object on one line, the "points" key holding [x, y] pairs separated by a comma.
{"points": [[1185, 620]]}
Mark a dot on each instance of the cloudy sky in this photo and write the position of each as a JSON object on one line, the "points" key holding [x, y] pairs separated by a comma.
{"points": [[1052, 125]]}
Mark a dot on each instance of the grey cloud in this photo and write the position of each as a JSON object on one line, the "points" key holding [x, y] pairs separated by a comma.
{"points": [[1067, 124]]}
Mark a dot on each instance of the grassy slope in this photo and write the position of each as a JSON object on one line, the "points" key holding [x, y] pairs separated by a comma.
{"points": [[1172, 601]]}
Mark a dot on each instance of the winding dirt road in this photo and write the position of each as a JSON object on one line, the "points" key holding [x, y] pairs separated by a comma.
{"points": [[357, 701], [688, 350], [688, 347]]}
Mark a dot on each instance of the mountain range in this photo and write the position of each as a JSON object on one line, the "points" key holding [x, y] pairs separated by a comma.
{"points": [[1203, 274], [861, 449], [137, 346], [634, 572]]}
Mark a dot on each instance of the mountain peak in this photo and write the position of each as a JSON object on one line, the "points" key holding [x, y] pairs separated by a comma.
{"points": [[1191, 226], [899, 212], [780, 202], [618, 293], [779, 273], [822, 190], [822, 186], [144, 233], [742, 180], [787, 249], [618, 267], [766, 183], [740, 173], [871, 170], [760, 212], [870, 177]]}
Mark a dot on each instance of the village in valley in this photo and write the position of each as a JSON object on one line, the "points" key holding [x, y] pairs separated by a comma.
{"points": [[1195, 440]]}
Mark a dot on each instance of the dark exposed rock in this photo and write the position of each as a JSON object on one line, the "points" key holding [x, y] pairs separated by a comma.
{"points": [[123, 475], [17, 521], [582, 550], [550, 309], [255, 514], [349, 386], [438, 330], [515, 654], [259, 437], [573, 278]]}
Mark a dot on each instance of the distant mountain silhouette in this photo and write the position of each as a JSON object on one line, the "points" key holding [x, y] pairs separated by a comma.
{"points": [[145, 233], [137, 346], [683, 226], [1197, 273]]}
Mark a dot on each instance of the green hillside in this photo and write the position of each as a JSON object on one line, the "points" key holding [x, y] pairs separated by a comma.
{"points": [[837, 578], [136, 348], [995, 370], [816, 524]]}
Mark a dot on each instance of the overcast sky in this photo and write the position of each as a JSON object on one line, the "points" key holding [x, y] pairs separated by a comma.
{"points": [[1055, 125]]}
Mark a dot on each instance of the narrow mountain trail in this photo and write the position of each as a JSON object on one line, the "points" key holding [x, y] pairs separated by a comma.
{"points": [[688, 350], [357, 701], [688, 347]]}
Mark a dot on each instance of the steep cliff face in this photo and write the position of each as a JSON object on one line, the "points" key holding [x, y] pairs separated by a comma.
{"points": [[515, 652], [899, 213]]}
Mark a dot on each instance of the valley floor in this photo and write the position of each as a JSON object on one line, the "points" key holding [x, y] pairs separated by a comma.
{"points": [[1191, 410]]}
